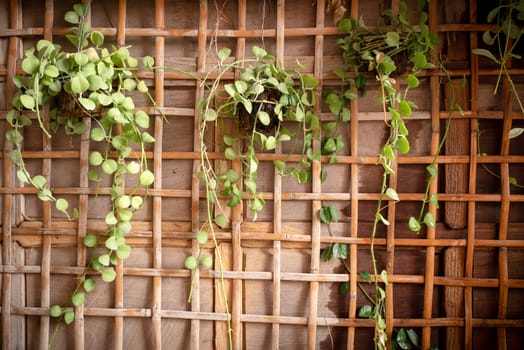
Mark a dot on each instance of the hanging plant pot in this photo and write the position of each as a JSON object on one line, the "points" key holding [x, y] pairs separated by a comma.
{"points": [[263, 116]]}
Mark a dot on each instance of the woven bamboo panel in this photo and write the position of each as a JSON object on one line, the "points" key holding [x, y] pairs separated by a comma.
{"points": [[458, 285]]}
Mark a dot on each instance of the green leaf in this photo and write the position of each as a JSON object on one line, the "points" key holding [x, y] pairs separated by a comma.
{"points": [[89, 285], [432, 170], [340, 251], [23, 176], [142, 119], [111, 219], [30, 64], [345, 25], [111, 243], [109, 166], [136, 202], [202, 237], [433, 199], [263, 117], [414, 224], [280, 165], [142, 87], [39, 181], [108, 274], [78, 299], [404, 108], [61, 204], [486, 53], [148, 62], [210, 115], [87, 103], [206, 261], [391, 193], [402, 145], [98, 134], [147, 137], [123, 251], [90, 240], [190, 263], [240, 86], [392, 39], [334, 103], [220, 220], [365, 311], [515, 132], [146, 178], [259, 52], [271, 143], [27, 101], [309, 81], [229, 153], [55, 311], [69, 317], [97, 38], [79, 84], [383, 219], [412, 81], [326, 253], [429, 220], [384, 276], [223, 54], [365, 276]]}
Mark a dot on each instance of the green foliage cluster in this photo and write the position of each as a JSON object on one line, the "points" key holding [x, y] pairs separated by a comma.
{"points": [[93, 82]]}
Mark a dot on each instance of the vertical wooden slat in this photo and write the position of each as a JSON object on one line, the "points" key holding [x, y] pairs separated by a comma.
{"points": [[8, 180], [355, 174], [157, 168], [316, 185], [277, 193], [470, 247], [456, 175], [45, 278], [504, 215], [429, 272], [195, 192]]}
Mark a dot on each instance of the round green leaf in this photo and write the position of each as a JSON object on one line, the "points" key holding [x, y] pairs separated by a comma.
{"points": [[110, 219], [55, 311], [39, 181], [202, 237], [402, 145], [78, 299], [206, 261], [30, 64], [125, 215], [123, 202], [109, 166], [190, 263], [27, 101], [230, 153], [220, 220], [90, 241], [123, 251], [404, 108], [95, 158], [97, 38], [108, 274], [133, 167], [51, 71], [146, 178], [89, 285], [61, 204], [413, 224], [142, 87], [69, 317], [104, 259], [210, 115], [142, 119], [98, 134], [22, 176], [136, 202], [71, 17]]}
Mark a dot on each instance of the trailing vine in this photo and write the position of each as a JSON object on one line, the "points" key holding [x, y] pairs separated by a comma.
{"points": [[90, 82]]}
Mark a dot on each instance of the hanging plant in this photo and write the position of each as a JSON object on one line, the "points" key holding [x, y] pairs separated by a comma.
{"points": [[262, 102], [397, 52], [88, 82]]}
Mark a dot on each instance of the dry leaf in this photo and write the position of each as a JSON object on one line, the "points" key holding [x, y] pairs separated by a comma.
{"points": [[338, 9]]}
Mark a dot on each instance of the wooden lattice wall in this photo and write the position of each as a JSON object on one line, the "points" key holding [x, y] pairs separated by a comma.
{"points": [[459, 285]]}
